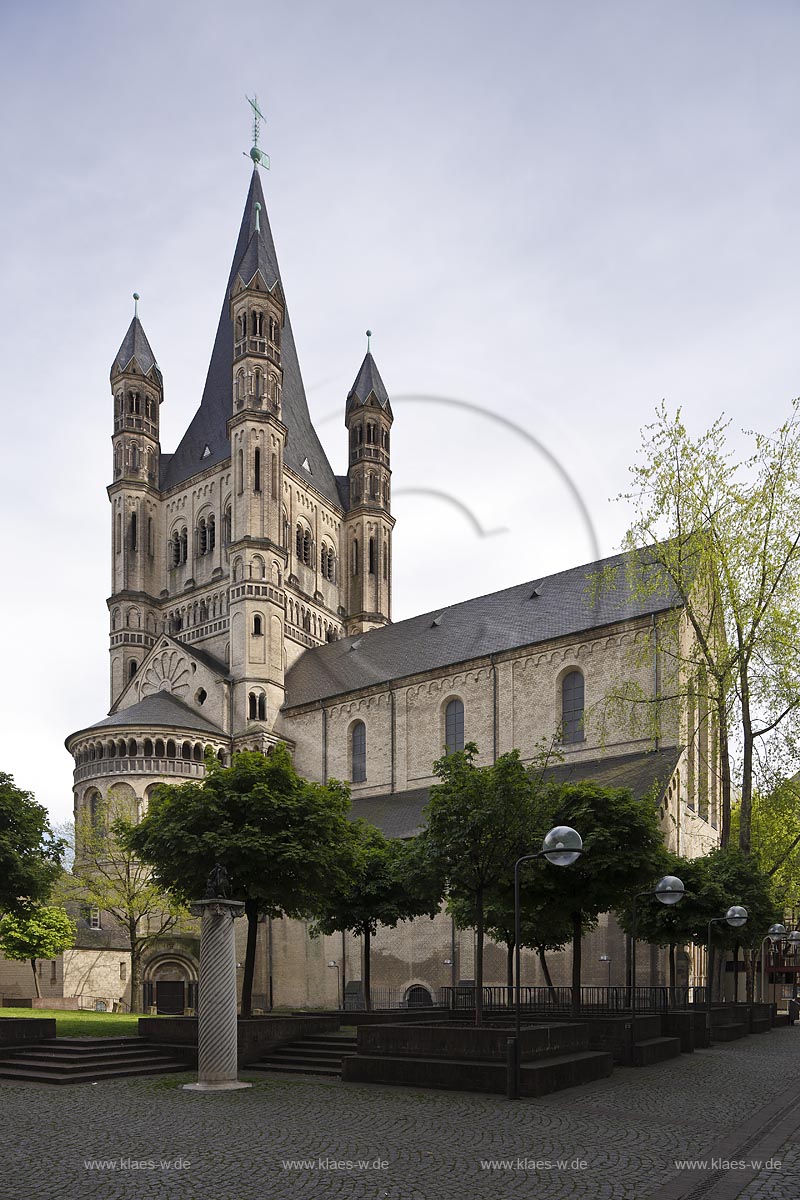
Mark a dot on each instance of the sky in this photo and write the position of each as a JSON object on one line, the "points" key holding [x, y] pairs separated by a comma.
{"points": [[553, 214]]}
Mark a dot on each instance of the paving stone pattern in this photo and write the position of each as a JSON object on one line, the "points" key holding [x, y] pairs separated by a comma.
{"points": [[628, 1130]]}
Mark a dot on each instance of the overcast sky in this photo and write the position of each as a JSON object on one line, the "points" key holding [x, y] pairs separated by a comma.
{"points": [[558, 213]]}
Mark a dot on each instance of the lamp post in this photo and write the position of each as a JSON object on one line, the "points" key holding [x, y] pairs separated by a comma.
{"points": [[668, 891], [334, 963], [562, 846], [736, 916], [606, 958], [775, 934]]}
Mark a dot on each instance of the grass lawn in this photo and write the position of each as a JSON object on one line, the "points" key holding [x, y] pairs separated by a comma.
{"points": [[82, 1023]]}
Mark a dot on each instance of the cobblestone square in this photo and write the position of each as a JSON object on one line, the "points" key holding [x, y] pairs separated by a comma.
{"points": [[619, 1139]]}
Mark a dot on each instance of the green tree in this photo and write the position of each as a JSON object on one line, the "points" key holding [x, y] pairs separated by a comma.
{"points": [[30, 854], [722, 538], [623, 852], [41, 931], [775, 837], [107, 875], [389, 882], [284, 842], [477, 819]]}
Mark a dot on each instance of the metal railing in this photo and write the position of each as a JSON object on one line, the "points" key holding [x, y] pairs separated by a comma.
{"points": [[558, 1000]]}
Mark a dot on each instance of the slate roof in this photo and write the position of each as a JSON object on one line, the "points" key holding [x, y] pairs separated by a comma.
{"points": [[400, 814], [565, 604], [368, 383], [254, 250], [158, 709], [135, 345]]}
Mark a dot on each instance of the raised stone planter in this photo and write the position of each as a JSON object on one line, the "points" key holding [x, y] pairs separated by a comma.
{"points": [[256, 1035], [19, 1031]]}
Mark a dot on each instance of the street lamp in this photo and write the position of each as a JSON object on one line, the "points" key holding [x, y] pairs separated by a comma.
{"points": [[736, 916], [606, 958], [775, 934], [334, 963], [562, 846], [668, 891]]}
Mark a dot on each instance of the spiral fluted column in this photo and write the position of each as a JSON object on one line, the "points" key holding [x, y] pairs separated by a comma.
{"points": [[217, 1000]]}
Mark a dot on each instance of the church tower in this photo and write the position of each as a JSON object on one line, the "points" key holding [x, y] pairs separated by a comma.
{"points": [[257, 549], [138, 391], [368, 531]]}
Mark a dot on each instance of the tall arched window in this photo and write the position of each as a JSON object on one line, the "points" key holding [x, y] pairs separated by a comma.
{"points": [[358, 752], [274, 477], [257, 471], [262, 706], [372, 556], [252, 706], [202, 537], [184, 545], [355, 556], [227, 526], [258, 630], [572, 707], [211, 533], [454, 726]]}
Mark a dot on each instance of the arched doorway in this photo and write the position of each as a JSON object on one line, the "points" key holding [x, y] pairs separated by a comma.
{"points": [[169, 984], [418, 997]]}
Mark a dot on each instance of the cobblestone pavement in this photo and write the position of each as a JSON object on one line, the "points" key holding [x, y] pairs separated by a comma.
{"points": [[618, 1138]]}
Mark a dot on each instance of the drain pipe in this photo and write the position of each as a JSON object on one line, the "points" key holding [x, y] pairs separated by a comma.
{"points": [[324, 742], [392, 718], [494, 708], [654, 627]]}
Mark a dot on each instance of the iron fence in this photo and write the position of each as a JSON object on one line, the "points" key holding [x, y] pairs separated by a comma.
{"points": [[558, 1000]]}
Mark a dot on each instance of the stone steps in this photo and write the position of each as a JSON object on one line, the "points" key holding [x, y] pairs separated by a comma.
{"points": [[729, 1032], [321, 1054], [654, 1050], [86, 1060], [537, 1078]]}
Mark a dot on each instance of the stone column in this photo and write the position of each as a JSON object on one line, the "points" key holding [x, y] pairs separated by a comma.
{"points": [[217, 1001]]}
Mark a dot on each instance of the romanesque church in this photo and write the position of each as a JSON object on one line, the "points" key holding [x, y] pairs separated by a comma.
{"points": [[252, 603]]}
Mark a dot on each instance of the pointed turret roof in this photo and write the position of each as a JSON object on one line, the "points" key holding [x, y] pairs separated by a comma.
{"points": [[135, 346], [368, 383], [206, 440]]}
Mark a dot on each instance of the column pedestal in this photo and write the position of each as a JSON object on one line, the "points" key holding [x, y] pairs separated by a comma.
{"points": [[217, 1002]]}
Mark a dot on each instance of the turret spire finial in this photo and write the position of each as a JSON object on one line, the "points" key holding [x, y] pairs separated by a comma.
{"points": [[136, 304], [369, 335], [260, 159]]}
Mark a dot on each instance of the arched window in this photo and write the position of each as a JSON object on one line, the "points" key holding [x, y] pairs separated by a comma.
{"points": [[184, 545], [133, 667], [257, 626], [202, 536], [159, 748], [176, 549], [370, 433], [257, 323], [372, 556], [331, 566], [572, 707], [358, 752], [258, 386], [385, 560], [133, 532], [298, 547], [307, 547], [211, 533], [171, 749], [252, 706], [257, 471], [227, 526], [323, 561], [454, 726], [241, 325], [240, 472], [355, 556], [274, 477], [262, 706], [240, 388], [186, 750]]}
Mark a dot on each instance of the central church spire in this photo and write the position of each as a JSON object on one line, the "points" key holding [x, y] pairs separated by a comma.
{"points": [[206, 441]]}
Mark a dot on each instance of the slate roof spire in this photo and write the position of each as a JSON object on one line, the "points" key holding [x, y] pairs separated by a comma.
{"points": [[368, 383], [135, 347], [205, 442]]}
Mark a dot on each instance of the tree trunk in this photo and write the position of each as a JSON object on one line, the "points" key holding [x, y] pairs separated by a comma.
{"points": [[750, 968], [366, 973], [251, 912], [725, 773], [540, 950], [479, 960], [746, 803], [673, 975], [136, 958], [710, 971], [577, 930], [35, 979]]}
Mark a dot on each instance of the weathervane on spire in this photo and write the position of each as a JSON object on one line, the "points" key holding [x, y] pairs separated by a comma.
{"points": [[260, 159]]}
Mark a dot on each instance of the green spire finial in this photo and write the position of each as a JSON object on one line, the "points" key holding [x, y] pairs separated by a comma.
{"points": [[136, 304], [369, 335], [260, 159]]}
